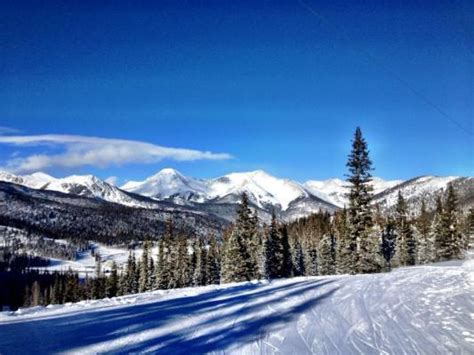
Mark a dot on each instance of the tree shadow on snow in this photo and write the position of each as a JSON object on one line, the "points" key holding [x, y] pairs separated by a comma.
{"points": [[237, 320]]}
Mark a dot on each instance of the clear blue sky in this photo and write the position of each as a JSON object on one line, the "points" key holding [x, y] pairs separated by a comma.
{"points": [[277, 85]]}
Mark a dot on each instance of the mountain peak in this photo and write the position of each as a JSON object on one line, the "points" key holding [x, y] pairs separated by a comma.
{"points": [[166, 172], [43, 176]]}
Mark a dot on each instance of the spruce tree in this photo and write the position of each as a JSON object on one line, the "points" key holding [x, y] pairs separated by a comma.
{"points": [[213, 262], [181, 270], [310, 249], [423, 228], [298, 260], [167, 258], [286, 261], [200, 272], [344, 252], [235, 259], [144, 268], [470, 229], [405, 253], [239, 262], [131, 275], [56, 295], [71, 293], [191, 265], [272, 250], [387, 247], [437, 229], [359, 211], [452, 240], [326, 260], [112, 281]]}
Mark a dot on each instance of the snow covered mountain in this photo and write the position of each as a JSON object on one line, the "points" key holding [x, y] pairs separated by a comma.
{"points": [[264, 191], [82, 185], [218, 196], [335, 190], [426, 188], [35, 181], [167, 183]]}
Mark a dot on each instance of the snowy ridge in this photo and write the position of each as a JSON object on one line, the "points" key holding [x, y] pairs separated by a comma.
{"points": [[368, 314], [35, 181], [82, 185], [263, 189], [335, 190], [424, 187], [292, 199], [166, 183]]}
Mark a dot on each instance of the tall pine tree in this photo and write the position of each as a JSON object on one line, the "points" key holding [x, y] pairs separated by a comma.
{"points": [[359, 246]]}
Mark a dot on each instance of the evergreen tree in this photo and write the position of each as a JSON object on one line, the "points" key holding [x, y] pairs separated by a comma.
{"points": [[310, 249], [235, 259], [387, 247], [405, 253], [152, 275], [191, 265], [111, 289], [359, 212], [326, 260], [213, 264], [451, 243], [144, 268], [72, 287], [167, 258], [247, 227], [437, 229], [423, 228], [344, 247], [131, 275], [181, 271], [123, 284], [200, 272], [238, 262], [286, 260], [470, 229], [98, 287], [298, 260], [56, 294], [273, 253]]}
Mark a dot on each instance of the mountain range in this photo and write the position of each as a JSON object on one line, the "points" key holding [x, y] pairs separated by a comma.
{"points": [[218, 196]]}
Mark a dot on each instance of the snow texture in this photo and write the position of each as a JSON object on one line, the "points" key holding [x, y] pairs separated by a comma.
{"points": [[415, 310]]}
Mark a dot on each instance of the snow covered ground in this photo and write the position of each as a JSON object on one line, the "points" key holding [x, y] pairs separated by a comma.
{"points": [[86, 264], [417, 310]]}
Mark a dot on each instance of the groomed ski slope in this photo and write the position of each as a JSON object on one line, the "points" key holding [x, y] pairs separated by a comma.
{"points": [[417, 310]]}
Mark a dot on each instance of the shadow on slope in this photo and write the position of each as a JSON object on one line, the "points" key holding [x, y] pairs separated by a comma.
{"points": [[221, 318]]}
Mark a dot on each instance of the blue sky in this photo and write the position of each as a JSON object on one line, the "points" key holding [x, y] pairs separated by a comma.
{"points": [[271, 85]]}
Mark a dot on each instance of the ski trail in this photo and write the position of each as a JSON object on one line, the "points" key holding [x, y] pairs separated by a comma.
{"points": [[417, 310]]}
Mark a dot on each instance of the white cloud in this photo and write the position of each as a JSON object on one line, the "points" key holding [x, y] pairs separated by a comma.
{"points": [[95, 151]]}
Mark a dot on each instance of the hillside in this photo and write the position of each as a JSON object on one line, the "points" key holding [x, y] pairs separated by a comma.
{"points": [[370, 314], [61, 215]]}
